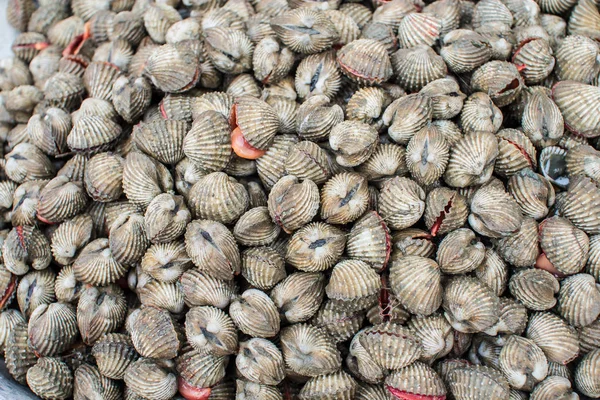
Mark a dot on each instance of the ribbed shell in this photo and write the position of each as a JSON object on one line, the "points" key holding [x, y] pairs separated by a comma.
{"points": [[52, 328], [99, 78], [113, 353], [553, 386], [60, 200], [299, 296], [554, 336], [19, 355], [49, 130], [35, 289], [436, 336], [255, 314], [576, 59], [271, 61], [90, 382], [515, 152], [584, 160], [172, 68], [263, 267], [370, 241], [480, 115], [472, 160], [292, 27], [212, 248], [521, 247], [100, 311], [63, 90], [201, 289], [229, 49], [154, 333], [352, 142], [353, 283], [409, 276], [427, 155], [579, 104], [535, 288], [307, 161], [469, 305], [589, 337], [166, 261], [401, 202], [337, 386], [255, 228], [166, 218], [104, 176], [208, 143], [316, 75], [257, 121], [447, 99], [565, 246], [390, 345], [50, 378], [523, 363], [260, 361], [446, 210], [164, 295], [344, 198], [494, 213], [593, 263], [412, 241], [272, 165], [338, 321], [211, 331], [26, 247], [417, 379], [91, 135], [387, 160], [24, 200], [417, 66], [25, 163], [586, 375], [579, 300], [151, 379], [580, 203], [218, 197], [315, 247], [542, 121], [96, 265], [365, 61], [293, 204], [532, 192], [477, 382], [131, 96], [8, 320], [255, 391], [161, 139], [417, 28], [309, 351], [128, 239], [460, 252]]}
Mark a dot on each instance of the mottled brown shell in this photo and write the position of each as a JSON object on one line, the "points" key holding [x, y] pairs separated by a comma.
{"points": [[365, 61], [255, 314]]}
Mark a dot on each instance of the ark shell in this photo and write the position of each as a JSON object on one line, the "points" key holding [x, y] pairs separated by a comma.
{"points": [[210, 330], [151, 378], [255, 314], [317, 74], [52, 328], [579, 300], [408, 275], [161, 139], [494, 213], [293, 204], [172, 68], [417, 379], [460, 252], [417, 66], [35, 289], [299, 296], [338, 386], [369, 240], [534, 288], [365, 61], [586, 374], [427, 155], [263, 267], [401, 203], [260, 361], [557, 339], [471, 160], [565, 246], [255, 228], [353, 283], [96, 265], [344, 198], [50, 378], [228, 198], [292, 26], [480, 114], [315, 247], [542, 121], [474, 381], [469, 305], [100, 311], [578, 104], [113, 353], [104, 176], [407, 115], [208, 143]]}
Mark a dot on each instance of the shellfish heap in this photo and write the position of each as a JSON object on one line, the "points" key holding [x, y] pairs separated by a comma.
{"points": [[301, 199]]}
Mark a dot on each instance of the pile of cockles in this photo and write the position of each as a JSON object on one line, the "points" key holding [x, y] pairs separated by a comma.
{"points": [[301, 199]]}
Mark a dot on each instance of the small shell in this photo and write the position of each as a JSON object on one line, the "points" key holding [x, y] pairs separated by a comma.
{"points": [[128, 239], [542, 121], [344, 198], [25, 163], [89, 382], [534, 288], [417, 379], [469, 305], [260, 361], [256, 121], [412, 242], [386, 161], [49, 130], [307, 161], [494, 213], [446, 210], [523, 363], [512, 319], [447, 99], [292, 204], [254, 391], [100, 311], [576, 59], [211, 331], [173, 68], [8, 320], [339, 322], [52, 328], [255, 314], [50, 378], [391, 13], [61, 199], [19, 355], [532, 192], [480, 114], [353, 283], [230, 50], [166, 261], [271, 61], [272, 165], [554, 336], [370, 241], [229, 199], [436, 336], [408, 275], [200, 289], [166, 218], [515, 152], [25, 201], [417, 66], [401, 202], [468, 258], [477, 382], [407, 115], [427, 155], [337, 386], [579, 300], [255, 228], [578, 103], [208, 143], [565, 246], [35, 289], [305, 30], [352, 142], [131, 96], [586, 374], [26, 247], [161, 139], [99, 78], [96, 264], [309, 351], [104, 176], [501, 80], [92, 135], [113, 353], [315, 247], [154, 333], [464, 50], [553, 386], [299, 296], [365, 61], [382, 33], [151, 378], [212, 248], [263, 267]]}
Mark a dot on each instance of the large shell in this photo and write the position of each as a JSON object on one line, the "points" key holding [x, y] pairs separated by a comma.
{"points": [[26, 247], [25, 163], [263, 267], [172, 68], [219, 197], [299, 296], [166, 218], [436, 336], [256, 122], [554, 386], [354, 284], [201, 289], [229, 49], [113, 353], [494, 213], [161, 139], [578, 104], [515, 152], [315, 247], [401, 203], [307, 161], [293, 204], [90, 382], [418, 28], [93, 134], [51, 378], [104, 176], [580, 203], [477, 382], [305, 30], [100, 311], [537, 58], [151, 378], [584, 160], [336, 386], [407, 115], [309, 351], [542, 121], [532, 192], [19, 355], [523, 363], [365, 61], [60, 200], [408, 276], [255, 228], [208, 143], [576, 59], [260, 361], [166, 261], [468, 258], [255, 314], [579, 300], [417, 379], [339, 322], [370, 241], [317, 74], [52, 328], [469, 305], [464, 50], [272, 165], [271, 61], [417, 66], [353, 142], [472, 160], [8, 320], [564, 245], [35, 289], [427, 155], [534, 288], [446, 210], [154, 333], [49, 130], [554, 336], [24, 199], [480, 114], [586, 374]]}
